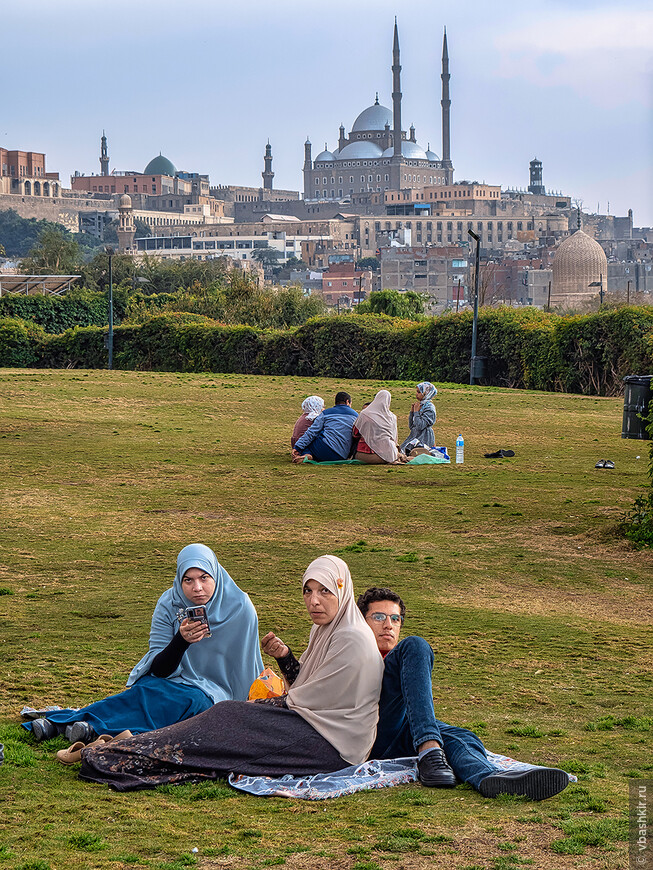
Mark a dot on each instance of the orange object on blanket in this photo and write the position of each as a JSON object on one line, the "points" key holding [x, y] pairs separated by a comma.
{"points": [[266, 685]]}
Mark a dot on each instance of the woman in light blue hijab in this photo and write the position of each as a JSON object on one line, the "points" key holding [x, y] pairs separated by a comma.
{"points": [[189, 666], [421, 417]]}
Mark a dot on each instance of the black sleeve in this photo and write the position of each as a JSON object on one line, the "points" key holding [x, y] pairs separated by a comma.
{"points": [[168, 659], [274, 702], [289, 667]]}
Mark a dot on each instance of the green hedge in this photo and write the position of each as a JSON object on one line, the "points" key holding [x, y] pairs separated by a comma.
{"points": [[56, 314], [524, 347]]}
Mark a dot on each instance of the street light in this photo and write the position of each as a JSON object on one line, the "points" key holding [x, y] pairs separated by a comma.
{"points": [[598, 284], [472, 366], [110, 253]]}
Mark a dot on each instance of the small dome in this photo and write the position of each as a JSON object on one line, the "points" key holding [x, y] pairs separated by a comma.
{"points": [[373, 118], [431, 155], [324, 155], [362, 149], [578, 262], [125, 201], [408, 149], [160, 166]]}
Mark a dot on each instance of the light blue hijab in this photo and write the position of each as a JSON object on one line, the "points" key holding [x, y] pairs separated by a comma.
{"points": [[224, 665]]}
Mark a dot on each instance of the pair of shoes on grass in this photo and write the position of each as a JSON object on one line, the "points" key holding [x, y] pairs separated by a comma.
{"points": [[500, 454], [604, 463], [73, 755]]}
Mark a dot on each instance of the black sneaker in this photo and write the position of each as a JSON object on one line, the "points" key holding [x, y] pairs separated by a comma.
{"points": [[537, 784], [434, 770], [80, 731], [42, 729]]}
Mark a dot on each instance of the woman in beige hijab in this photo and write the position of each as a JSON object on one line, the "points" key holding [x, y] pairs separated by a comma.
{"points": [[377, 427], [326, 721]]}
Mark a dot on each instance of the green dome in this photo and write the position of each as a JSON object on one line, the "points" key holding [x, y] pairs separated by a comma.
{"points": [[160, 166]]}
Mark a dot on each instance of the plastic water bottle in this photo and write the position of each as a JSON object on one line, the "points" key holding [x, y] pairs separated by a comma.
{"points": [[460, 450]]}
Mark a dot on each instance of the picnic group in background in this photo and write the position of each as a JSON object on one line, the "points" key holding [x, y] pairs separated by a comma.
{"points": [[371, 436]]}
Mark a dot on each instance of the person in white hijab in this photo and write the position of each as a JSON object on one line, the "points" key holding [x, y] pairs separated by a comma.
{"points": [[377, 426], [326, 721], [312, 407]]}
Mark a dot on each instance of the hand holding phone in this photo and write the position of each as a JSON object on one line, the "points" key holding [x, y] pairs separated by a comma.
{"points": [[195, 624]]}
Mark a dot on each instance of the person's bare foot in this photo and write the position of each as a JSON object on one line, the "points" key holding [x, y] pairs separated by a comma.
{"points": [[301, 458]]}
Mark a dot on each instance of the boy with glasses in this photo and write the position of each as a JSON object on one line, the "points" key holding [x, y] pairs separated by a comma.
{"points": [[407, 723]]}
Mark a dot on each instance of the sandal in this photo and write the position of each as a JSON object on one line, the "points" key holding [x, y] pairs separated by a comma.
{"points": [[72, 755]]}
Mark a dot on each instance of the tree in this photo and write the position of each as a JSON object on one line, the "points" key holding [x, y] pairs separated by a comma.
{"points": [[268, 258], [142, 228], [3, 253], [372, 263], [409, 305], [55, 253]]}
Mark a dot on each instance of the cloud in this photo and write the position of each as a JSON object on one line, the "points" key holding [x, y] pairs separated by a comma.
{"points": [[603, 55]]}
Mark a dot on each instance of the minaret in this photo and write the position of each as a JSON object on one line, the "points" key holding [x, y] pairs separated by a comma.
{"points": [[396, 95], [342, 141], [536, 186], [446, 106], [104, 156], [267, 173], [412, 133], [308, 168]]}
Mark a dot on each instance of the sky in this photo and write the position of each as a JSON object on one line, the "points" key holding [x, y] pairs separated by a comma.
{"points": [[208, 82]]}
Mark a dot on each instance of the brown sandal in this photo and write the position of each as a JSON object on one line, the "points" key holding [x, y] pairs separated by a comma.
{"points": [[72, 755]]}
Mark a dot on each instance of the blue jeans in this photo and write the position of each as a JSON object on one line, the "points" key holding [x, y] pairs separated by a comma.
{"points": [[407, 718], [320, 451]]}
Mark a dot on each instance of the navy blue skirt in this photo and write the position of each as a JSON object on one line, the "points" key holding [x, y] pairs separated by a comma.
{"points": [[151, 703]]}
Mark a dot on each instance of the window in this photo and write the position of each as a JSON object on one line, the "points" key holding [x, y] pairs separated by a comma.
{"points": [[519, 225], [351, 180]]}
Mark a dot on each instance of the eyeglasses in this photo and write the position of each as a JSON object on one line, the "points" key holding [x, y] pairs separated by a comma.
{"points": [[394, 618]]}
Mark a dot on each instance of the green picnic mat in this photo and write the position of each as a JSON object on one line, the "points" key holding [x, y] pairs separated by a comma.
{"points": [[333, 462]]}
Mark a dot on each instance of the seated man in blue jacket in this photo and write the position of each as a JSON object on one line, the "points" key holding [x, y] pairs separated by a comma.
{"points": [[329, 438], [407, 724]]}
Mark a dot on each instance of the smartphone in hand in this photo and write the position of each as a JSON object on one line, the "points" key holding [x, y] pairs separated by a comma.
{"points": [[198, 614]]}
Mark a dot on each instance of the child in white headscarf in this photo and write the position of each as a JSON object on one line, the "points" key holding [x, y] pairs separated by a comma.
{"points": [[422, 416], [312, 407]]}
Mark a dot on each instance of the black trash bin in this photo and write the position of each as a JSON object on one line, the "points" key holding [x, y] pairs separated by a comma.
{"points": [[637, 395]]}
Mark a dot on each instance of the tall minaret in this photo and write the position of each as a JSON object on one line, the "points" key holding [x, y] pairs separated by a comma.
{"points": [[267, 173], [396, 94], [308, 167], [446, 105], [104, 156]]}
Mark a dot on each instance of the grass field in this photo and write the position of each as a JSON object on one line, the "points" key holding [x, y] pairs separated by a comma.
{"points": [[538, 612]]}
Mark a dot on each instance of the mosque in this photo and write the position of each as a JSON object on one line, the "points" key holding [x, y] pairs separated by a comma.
{"points": [[378, 155]]}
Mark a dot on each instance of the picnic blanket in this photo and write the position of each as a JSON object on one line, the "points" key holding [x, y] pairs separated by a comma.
{"points": [[362, 777]]}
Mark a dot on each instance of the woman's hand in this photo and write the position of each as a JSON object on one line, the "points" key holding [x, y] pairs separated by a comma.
{"points": [[274, 646], [193, 630], [415, 406]]}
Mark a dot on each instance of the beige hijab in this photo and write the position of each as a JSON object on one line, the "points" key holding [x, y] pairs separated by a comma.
{"points": [[378, 426], [339, 683]]}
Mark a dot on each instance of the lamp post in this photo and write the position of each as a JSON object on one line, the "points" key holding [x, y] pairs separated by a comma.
{"points": [[598, 284], [472, 365], [110, 252]]}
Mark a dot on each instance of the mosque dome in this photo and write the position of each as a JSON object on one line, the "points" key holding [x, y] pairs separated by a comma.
{"points": [[408, 149], [431, 155], [361, 149], [578, 262], [125, 201], [324, 155], [373, 118], [160, 166]]}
